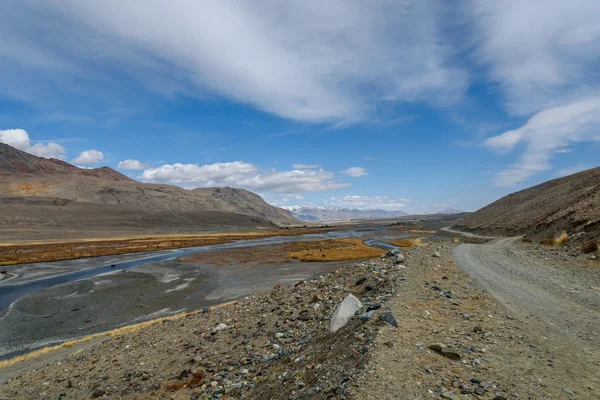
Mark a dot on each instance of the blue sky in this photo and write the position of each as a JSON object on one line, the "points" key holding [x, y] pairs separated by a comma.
{"points": [[410, 105]]}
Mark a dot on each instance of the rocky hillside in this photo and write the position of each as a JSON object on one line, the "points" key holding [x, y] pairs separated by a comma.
{"points": [[23, 175], [570, 204]]}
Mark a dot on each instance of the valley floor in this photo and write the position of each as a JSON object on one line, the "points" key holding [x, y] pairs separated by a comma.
{"points": [[276, 345]]}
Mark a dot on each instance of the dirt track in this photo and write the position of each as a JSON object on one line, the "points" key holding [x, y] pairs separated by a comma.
{"points": [[557, 300]]}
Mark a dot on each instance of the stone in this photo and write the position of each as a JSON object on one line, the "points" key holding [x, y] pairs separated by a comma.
{"points": [[375, 306], [475, 380], [437, 347], [367, 316], [398, 258], [451, 353], [392, 252], [567, 390], [344, 312], [437, 254], [388, 317], [98, 393], [479, 391], [220, 327]]}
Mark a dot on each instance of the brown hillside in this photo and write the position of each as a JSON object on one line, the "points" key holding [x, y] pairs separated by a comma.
{"points": [[39, 191], [570, 204]]}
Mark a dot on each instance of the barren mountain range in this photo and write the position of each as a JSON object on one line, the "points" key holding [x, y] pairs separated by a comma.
{"points": [[307, 213], [36, 191], [570, 204]]}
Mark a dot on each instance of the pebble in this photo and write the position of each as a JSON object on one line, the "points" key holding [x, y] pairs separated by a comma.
{"points": [[388, 317], [367, 316]]}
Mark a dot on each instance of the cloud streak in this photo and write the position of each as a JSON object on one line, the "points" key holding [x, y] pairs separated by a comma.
{"points": [[355, 172], [245, 175], [305, 61], [543, 134]]}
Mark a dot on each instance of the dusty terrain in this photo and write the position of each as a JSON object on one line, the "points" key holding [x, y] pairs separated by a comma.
{"points": [[277, 345], [510, 344], [565, 204]]}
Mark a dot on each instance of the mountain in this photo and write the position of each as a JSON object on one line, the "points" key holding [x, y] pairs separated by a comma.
{"points": [[307, 213], [570, 204], [29, 181], [450, 211]]}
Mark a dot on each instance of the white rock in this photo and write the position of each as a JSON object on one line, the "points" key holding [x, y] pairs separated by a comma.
{"points": [[345, 310], [220, 327]]}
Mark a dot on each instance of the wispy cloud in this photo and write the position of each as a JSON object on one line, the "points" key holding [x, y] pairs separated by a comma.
{"points": [[544, 133], [306, 61], [245, 175], [542, 54], [572, 169], [355, 172], [367, 202], [306, 166]]}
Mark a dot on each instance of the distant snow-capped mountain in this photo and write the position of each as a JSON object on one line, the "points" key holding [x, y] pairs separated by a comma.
{"points": [[308, 213], [449, 211]]}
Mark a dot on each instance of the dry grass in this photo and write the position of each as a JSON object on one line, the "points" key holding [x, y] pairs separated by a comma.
{"points": [[112, 333], [409, 242], [556, 241], [46, 252], [420, 232], [337, 250]]}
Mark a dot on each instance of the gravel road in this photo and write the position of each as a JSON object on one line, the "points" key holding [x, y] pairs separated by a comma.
{"points": [[557, 300]]}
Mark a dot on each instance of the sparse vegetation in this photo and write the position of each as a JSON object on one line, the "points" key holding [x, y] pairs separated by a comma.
{"points": [[341, 250], [589, 247], [409, 242], [46, 252], [556, 241]]}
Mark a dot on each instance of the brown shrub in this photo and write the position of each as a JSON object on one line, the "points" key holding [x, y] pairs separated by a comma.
{"points": [[589, 247]]}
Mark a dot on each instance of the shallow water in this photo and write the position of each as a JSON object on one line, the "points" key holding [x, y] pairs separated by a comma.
{"points": [[10, 293]]}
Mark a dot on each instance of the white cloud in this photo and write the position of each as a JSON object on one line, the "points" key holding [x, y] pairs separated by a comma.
{"points": [[543, 54], [572, 169], [245, 175], [132, 165], [19, 139], [367, 202], [355, 172], [88, 157], [543, 134], [308, 61], [563, 151], [305, 166]]}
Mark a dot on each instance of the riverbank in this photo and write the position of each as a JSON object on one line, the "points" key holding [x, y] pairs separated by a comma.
{"points": [[276, 345]]}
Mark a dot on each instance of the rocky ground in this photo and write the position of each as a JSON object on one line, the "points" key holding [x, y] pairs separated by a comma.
{"points": [[453, 340]]}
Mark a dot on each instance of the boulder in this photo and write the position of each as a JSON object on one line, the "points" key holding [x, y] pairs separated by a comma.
{"points": [[345, 310], [398, 258]]}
